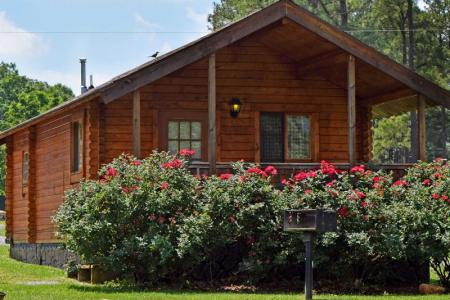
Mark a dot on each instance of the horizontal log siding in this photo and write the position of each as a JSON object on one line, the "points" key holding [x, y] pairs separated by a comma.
{"points": [[265, 81], [52, 172], [19, 200]]}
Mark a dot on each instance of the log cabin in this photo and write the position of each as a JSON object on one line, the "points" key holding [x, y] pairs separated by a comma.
{"points": [[280, 86]]}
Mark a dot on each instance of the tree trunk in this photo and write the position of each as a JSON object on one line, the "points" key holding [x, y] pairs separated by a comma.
{"points": [[344, 14], [410, 18]]}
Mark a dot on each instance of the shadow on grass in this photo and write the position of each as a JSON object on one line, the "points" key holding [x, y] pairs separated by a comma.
{"points": [[109, 290]]}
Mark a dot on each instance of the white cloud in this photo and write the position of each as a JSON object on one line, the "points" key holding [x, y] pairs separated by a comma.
{"points": [[16, 42], [200, 19], [141, 21]]}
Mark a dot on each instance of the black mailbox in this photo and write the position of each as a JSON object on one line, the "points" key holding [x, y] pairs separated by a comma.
{"points": [[312, 220]]}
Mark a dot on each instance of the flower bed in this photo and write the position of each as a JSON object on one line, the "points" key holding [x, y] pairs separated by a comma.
{"points": [[152, 219]]}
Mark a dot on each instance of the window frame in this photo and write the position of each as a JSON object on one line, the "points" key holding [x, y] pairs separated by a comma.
{"points": [[314, 137], [77, 118], [26, 182], [180, 116]]}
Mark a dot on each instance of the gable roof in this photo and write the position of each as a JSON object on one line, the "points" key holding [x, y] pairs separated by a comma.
{"points": [[204, 46]]}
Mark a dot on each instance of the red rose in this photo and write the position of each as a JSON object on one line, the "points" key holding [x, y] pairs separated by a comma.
{"points": [[437, 175], [257, 171], [136, 163], [304, 175], [400, 183], [331, 183], [111, 172], [225, 176], [308, 191], [327, 168], [165, 185], [286, 182], [174, 164], [426, 182], [161, 220], [271, 171], [187, 152], [364, 204], [343, 211], [361, 195], [376, 179], [436, 196], [444, 198], [357, 169]]}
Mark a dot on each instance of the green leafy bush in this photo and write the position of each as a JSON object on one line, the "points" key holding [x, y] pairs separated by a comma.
{"points": [[151, 218], [130, 220]]}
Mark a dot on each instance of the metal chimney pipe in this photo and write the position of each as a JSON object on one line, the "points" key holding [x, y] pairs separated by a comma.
{"points": [[83, 75], [91, 82]]}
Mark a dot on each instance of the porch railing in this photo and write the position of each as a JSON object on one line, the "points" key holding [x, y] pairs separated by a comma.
{"points": [[287, 169]]}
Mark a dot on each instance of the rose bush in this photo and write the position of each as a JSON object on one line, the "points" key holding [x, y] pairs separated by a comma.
{"points": [[151, 218], [418, 219], [130, 220]]}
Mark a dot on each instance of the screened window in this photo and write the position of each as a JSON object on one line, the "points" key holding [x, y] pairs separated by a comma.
{"points": [[298, 135], [25, 168], [184, 134], [285, 137], [77, 147]]}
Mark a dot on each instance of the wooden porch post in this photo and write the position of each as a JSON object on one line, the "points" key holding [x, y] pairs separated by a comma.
{"points": [[137, 124], [351, 104], [212, 114], [421, 126]]}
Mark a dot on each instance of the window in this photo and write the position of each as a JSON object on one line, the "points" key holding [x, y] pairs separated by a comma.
{"points": [[77, 147], [25, 168], [183, 134], [298, 137], [285, 137]]}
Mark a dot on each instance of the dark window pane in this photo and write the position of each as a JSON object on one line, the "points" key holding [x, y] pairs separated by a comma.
{"points": [[173, 130], [271, 139], [298, 133]]}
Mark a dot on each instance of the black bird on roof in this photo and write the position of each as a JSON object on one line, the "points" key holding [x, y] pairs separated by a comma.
{"points": [[154, 55]]}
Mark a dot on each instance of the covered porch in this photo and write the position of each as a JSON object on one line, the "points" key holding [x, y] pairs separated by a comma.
{"points": [[273, 74]]}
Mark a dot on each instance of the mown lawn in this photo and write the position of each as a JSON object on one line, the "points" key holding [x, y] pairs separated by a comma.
{"points": [[25, 281]]}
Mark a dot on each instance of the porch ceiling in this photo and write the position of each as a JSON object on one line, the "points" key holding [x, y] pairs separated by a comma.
{"points": [[316, 56]]}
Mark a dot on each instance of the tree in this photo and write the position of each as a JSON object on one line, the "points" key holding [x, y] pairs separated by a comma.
{"points": [[22, 98]]}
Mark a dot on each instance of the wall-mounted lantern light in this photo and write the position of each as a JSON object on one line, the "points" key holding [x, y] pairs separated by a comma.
{"points": [[236, 105]]}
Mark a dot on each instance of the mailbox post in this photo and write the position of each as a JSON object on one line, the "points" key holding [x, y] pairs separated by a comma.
{"points": [[309, 221]]}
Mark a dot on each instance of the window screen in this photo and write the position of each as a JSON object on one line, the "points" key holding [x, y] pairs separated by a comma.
{"points": [[77, 146], [185, 135], [271, 139], [298, 137]]}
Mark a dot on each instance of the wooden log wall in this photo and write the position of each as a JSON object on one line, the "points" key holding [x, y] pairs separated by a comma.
{"points": [[265, 81]]}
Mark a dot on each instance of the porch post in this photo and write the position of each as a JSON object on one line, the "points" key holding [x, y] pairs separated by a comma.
{"points": [[421, 126], [137, 124], [212, 114], [351, 103]]}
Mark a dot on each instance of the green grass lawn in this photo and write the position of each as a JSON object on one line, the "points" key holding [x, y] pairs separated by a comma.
{"points": [[26, 281]]}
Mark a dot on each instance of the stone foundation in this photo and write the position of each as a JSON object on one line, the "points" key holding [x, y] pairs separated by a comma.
{"points": [[40, 254]]}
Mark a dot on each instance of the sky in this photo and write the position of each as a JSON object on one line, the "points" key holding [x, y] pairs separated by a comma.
{"points": [[46, 38]]}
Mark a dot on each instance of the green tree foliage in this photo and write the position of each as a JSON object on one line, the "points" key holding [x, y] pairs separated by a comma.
{"points": [[22, 98]]}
